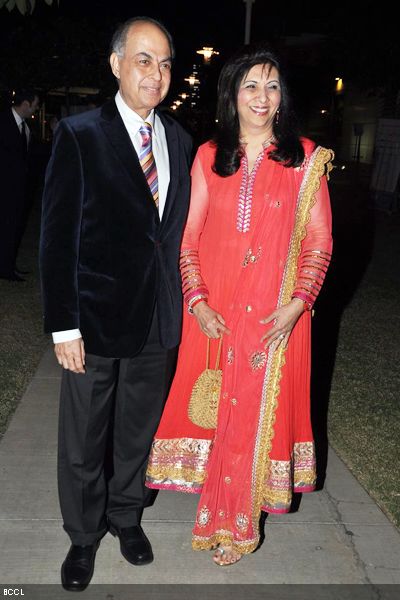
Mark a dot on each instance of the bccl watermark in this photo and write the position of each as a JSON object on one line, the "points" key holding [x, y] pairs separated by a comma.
{"points": [[13, 592]]}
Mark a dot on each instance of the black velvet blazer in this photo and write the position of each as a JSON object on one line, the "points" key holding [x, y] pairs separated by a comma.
{"points": [[105, 257]]}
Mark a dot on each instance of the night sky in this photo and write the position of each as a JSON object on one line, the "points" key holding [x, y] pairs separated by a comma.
{"points": [[68, 45], [218, 23]]}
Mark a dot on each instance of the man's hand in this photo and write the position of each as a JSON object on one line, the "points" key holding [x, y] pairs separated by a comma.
{"points": [[71, 355]]}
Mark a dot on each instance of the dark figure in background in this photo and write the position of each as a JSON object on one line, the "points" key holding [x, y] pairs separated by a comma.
{"points": [[47, 146], [115, 201], [15, 174], [53, 124]]}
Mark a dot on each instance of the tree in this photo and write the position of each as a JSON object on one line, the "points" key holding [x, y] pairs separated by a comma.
{"points": [[25, 7]]}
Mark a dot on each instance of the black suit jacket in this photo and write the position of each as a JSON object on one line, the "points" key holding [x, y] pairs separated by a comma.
{"points": [[105, 257]]}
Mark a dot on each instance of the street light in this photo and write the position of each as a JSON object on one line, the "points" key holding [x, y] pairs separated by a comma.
{"points": [[207, 53], [192, 79], [339, 85], [247, 33], [194, 83]]}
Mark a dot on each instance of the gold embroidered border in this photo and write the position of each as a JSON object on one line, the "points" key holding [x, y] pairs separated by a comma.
{"points": [[319, 165], [180, 461], [278, 499], [285, 476], [281, 500], [175, 476], [304, 478], [225, 538]]}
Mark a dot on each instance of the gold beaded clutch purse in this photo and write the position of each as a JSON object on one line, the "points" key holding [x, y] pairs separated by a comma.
{"points": [[204, 399]]}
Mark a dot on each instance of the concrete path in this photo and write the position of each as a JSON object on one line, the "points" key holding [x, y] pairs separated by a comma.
{"points": [[338, 536]]}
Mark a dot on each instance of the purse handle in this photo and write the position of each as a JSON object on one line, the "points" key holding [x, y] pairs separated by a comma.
{"points": [[218, 353]]}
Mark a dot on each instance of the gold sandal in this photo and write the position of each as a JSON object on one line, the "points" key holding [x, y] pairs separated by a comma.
{"points": [[221, 552]]}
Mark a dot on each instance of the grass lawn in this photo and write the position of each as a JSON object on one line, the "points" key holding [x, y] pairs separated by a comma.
{"points": [[364, 406], [22, 341]]}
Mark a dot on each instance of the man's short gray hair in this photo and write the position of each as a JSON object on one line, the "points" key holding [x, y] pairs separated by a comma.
{"points": [[118, 41]]}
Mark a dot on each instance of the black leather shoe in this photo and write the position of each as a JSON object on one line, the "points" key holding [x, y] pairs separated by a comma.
{"points": [[77, 569], [135, 546]]}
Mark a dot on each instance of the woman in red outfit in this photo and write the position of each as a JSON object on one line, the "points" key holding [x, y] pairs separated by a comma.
{"points": [[255, 252]]}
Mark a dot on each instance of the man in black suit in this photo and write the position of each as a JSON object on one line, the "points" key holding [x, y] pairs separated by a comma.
{"points": [[110, 241], [15, 151]]}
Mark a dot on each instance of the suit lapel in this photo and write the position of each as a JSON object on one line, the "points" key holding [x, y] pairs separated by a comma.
{"points": [[173, 152], [116, 133]]}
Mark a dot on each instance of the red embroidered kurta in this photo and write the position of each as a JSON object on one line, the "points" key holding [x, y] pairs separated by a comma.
{"points": [[252, 242]]}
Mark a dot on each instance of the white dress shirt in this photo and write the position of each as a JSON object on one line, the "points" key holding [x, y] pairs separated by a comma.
{"points": [[133, 122], [21, 123]]}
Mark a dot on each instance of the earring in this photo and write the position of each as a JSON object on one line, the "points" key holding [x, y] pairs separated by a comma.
{"points": [[277, 117]]}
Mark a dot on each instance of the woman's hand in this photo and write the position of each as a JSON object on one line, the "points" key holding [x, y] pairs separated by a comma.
{"points": [[210, 322], [284, 318]]}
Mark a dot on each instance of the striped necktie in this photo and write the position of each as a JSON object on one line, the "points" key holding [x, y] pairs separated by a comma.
{"points": [[147, 161]]}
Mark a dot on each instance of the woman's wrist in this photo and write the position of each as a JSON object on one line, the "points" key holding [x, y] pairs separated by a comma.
{"points": [[195, 302], [306, 298], [198, 304], [301, 305]]}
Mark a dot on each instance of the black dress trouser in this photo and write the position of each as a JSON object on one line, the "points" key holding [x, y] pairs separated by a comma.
{"points": [[129, 393]]}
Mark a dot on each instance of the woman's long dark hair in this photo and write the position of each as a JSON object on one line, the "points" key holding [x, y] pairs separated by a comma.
{"points": [[289, 150]]}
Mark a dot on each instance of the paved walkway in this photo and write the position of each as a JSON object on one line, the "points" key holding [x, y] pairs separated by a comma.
{"points": [[338, 536]]}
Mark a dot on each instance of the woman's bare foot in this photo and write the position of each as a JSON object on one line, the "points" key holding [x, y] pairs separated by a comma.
{"points": [[226, 555]]}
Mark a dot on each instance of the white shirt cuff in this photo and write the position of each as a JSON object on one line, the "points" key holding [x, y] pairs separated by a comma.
{"points": [[66, 336]]}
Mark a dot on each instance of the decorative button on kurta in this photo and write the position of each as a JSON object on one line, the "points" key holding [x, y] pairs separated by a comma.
{"points": [[252, 256], [230, 355], [249, 308], [227, 480], [234, 401], [257, 360], [242, 521], [203, 516]]}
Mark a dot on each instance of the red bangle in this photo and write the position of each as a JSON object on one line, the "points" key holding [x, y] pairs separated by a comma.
{"points": [[193, 304]]}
